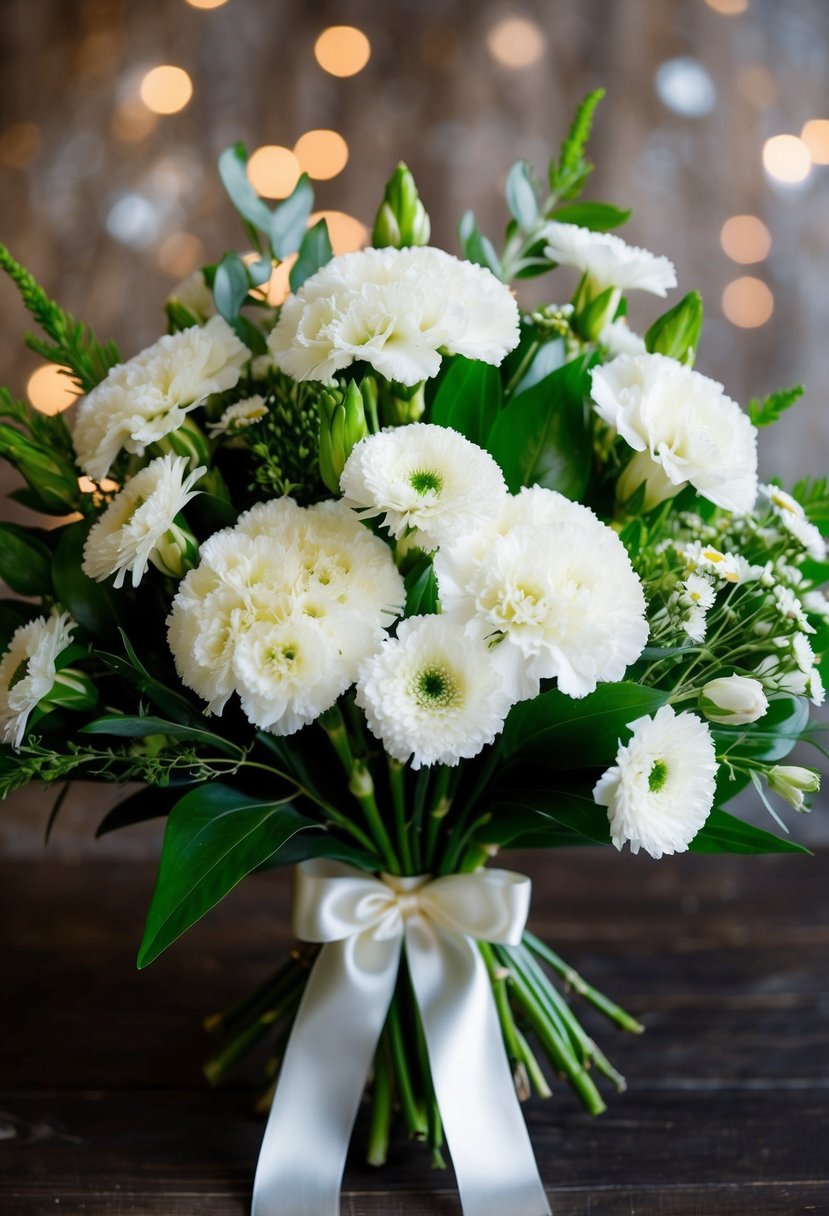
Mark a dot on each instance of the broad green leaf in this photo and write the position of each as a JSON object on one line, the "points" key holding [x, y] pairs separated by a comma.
{"points": [[314, 253], [290, 219], [599, 217], [233, 172], [469, 399], [771, 738], [25, 562], [542, 438], [421, 589], [476, 246], [533, 813], [151, 802], [318, 843], [92, 604], [577, 734], [521, 195], [724, 833], [548, 358], [126, 727], [214, 837], [230, 287]]}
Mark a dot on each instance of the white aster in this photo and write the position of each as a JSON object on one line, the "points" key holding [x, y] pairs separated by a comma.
{"points": [[793, 518], [146, 398], [282, 609], [425, 480], [729, 567], [660, 791], [552, 589], [619, 339], [397, 309], [238, 416], [139, 525], [789, 606], [683, 429], [27, 671], [608, 260], [433, 693]]}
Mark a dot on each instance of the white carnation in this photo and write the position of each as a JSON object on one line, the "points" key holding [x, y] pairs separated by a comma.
{"points": [[683, 429], [608, 260], [397, 309], [146, 398], [282, 609], [619, 339], [552, 589], [139, 525], [432, 693], [27, 671], [660, 791], [423, 479], [238, 416]]}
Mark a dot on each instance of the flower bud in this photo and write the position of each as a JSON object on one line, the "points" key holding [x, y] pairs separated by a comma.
{"points": [[188, 440], [733, 700], [593, 313], [676, 332], [342, 426], [791, 782], [177, 551], [402, 219], [401, 404]]}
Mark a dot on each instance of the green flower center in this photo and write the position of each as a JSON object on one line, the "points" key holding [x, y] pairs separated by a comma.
{"points": [[434, 688], [424, 480], [657, 776]]}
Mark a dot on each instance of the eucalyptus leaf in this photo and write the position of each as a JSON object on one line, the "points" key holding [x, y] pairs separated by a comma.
{"points": [[476, 246], [233, 172], [290, 219], [521, 195], [230, 287], [314, 253]]}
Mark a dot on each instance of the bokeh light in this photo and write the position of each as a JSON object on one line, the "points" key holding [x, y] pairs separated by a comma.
{"points": [[347, 233], [132, 121], [342, 50], [516, 42], [273, 171], [786, 158], [686, 87], [18, 144], [206, 3], [747, 302], [50, 390], [166, 89], [321, 154], [87, 486], [728, 8], [180, 253], [279, 286], [745, 238], [815, 135]]}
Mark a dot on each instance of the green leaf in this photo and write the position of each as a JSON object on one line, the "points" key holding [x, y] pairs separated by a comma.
{"points": [[548, 358], [233, 172], [599, 217], [314, 253], [568, 734], [151, 802], [230, 287], [771, 738], [469, 399], [12, 616], [676, 333], [25, 562], [767, 411], [569, 173], [476, 246], [724, 833], [126, 727], [421, 589], [542, 438], [214, 837], [92, 604], [530, 815], [290, 220], [521, 195]]}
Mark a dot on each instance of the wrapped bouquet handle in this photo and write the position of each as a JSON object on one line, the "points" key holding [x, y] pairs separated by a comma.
{"points": [[363, 922]]}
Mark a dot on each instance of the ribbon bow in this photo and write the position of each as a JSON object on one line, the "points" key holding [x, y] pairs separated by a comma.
{"points": [[364, 922]]}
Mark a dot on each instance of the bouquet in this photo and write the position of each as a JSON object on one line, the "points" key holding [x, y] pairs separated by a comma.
{"points": [[380, 579]]}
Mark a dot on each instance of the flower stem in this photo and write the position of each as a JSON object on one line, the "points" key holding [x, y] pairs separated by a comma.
{"points": [[398, 797], [412, 1111], [573, 980], [378, 1134], [441, 803], [361, 785]]}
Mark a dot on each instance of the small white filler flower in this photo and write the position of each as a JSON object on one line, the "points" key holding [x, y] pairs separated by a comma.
{"points": [[793, 518], [27, 671], [139, 526], [397, 309], [425, 480], [239, 416], [607, 260], [432, 693], [660, 791], [682, 428], [146, 398]]}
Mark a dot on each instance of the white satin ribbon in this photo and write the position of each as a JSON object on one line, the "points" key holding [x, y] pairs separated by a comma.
{"points": [[364, 922]]}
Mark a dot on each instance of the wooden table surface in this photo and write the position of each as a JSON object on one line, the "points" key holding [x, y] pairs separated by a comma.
{"points": [[103, 1108]]}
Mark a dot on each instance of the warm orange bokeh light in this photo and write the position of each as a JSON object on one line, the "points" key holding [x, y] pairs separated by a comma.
{"points": [[342, 50], [321, 154], [50, 390], [273, 171], [87, 486], [132, 121], [516, 42], [747, 302], [180, 253], [166, 89], [728, 8], [347, 233], [745, 238], [206, 3], [786, 158], [815, 135]]}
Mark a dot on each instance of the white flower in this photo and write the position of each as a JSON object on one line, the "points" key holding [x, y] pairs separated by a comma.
{"points": [[194, 295], [282, 609], [422, 478], [789, 606], [683, 429], [619, 339], [139, 525], [553, 591], [816, 603], [145, 399], [238, 416], [433, 693], [730, 567], [791, 782], [733, 700], [397, 309], [27, 671], [608, 260], [660, 791], [793, 518], [690, 604]]}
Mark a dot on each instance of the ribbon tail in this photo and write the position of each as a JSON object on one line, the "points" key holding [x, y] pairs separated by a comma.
{"points": [[322, 1077], [485, 1129]]}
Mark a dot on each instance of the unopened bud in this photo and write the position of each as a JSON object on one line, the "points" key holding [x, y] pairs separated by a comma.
{"points": [[676, 333], [177, 551], [593, 313], [791, 782], [733, 700], [342, 426], [402, 219]]}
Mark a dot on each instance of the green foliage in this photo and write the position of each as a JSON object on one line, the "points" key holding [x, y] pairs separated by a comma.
{"points": [[813, 496], [283, 226], [214, 837], [284, 445], [769, 740], [599, 217], [676, 333], [40, 448], [140, 727], [568, 174], [421, 588], [522, 195], [71, 344], [469, 399], [25, 561], [92, 604], [766, 411], [477, 248], [725, 833], [545, 818], [314, 253]]}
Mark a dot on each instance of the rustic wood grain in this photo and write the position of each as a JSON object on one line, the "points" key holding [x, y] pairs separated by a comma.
{"points": [[103, 1109]]}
